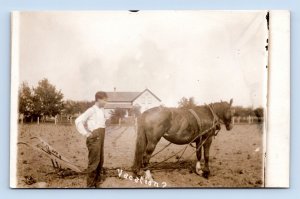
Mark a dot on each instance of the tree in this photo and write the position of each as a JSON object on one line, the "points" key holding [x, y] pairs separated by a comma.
{"points": [[47, 100], [26, 106], [187, 103], [74, 107], [84, 105], [259, 112], [117, 114], [243, 111], [136, 110], [71, 107]]}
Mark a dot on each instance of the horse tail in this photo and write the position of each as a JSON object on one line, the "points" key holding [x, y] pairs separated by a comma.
{"points": [[141, 142]]}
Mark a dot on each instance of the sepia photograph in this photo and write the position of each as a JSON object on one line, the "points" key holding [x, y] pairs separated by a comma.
{"points": [[139, 99]]}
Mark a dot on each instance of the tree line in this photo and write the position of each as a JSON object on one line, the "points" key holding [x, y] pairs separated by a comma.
{"points": [[239, 111], [45, 100]]}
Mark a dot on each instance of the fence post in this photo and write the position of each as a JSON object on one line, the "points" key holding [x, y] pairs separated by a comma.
{"points": [[38, 120], [55, 119], [249, 119], [22, 118]]}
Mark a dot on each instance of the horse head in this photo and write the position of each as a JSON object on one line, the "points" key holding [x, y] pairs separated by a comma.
{"points": [[225, 113]]}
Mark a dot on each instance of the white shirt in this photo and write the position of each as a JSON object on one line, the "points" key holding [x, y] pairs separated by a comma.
{"points": [[93, 118]]}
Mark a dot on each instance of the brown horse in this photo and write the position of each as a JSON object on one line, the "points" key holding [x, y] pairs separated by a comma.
{"points": [[180, 126]]}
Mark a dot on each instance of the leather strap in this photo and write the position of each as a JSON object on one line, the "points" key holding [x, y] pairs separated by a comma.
{"points": [[197, 118], [216, 118]]}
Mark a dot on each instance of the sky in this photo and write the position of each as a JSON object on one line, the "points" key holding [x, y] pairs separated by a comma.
{"points": [[208, 55]]}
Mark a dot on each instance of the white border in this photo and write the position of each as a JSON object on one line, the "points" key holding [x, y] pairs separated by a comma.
{"points": [[278, 126], [14, 96]]}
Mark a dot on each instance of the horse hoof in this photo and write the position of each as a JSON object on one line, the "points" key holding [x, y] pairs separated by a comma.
{"points": [[139, 174], [198, 168], [148, 175], [199, 171], [206, 174]]}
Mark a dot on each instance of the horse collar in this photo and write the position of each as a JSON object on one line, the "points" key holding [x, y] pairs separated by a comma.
{"points": [[216, 119], [197, 118]]}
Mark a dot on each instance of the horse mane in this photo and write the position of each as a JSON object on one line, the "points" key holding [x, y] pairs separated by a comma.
{"points": [[218, 107], [213, 104]]}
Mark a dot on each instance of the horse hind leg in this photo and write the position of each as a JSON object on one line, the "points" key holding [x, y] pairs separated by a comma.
{"points": [[153, 137], [148, 152], [141, 143]]}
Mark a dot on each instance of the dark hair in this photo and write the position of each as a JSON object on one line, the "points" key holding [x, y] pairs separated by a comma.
{"points": [[100, 95]]}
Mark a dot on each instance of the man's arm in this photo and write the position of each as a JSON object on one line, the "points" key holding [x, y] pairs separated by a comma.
{"points": [[81, 120]]}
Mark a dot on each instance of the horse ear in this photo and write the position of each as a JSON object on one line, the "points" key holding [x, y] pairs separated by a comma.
{"points": [[231, 100]]}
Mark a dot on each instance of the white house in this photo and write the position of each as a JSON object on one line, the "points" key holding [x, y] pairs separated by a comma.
{"points": [[127, 100]]}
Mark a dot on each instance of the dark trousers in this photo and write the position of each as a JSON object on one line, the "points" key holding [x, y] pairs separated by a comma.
{"points": [[95, 144]]}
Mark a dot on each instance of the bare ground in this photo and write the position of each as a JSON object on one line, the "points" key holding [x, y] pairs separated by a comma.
{"points": [[236, 159]]}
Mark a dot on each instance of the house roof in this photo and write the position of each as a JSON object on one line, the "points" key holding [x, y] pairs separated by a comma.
{"points": [[121, 96], [126, 96], [149, 92], [114, 106]]}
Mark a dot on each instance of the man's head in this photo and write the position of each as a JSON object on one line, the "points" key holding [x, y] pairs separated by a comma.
{"points": [[100, 99]]}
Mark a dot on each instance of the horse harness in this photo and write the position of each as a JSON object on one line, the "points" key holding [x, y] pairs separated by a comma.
{"points": [[215, 124]]}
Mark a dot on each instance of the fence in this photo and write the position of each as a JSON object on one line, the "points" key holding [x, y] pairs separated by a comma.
{"points": [[64, 119], [69, 120], [247, 120], [58, 119]]}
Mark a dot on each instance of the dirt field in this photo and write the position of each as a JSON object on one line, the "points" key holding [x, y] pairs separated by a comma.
{"points": [[235, 159]]}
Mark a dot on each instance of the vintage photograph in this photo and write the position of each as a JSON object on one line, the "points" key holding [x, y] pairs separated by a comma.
{"points": [[139, 99]]}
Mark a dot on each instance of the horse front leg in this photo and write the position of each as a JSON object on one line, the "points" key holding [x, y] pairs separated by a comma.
{"points": [[198, 154], [206, 170]]}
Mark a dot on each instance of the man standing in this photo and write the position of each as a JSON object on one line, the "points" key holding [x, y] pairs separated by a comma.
{"points": [[92, 125]]}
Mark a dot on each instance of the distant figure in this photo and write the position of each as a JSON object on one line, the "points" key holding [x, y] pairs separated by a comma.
{"points": [[22, 118], [55, 119], [92, 125]]}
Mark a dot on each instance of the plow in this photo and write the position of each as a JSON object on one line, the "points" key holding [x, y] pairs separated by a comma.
{"points": [[60, 163]]}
